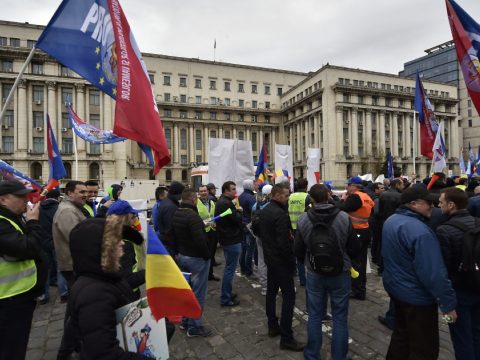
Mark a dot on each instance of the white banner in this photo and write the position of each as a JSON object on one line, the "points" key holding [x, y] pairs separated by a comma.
{"points": [[438, 151], [313, 167], [230, 160], [284, 160]]}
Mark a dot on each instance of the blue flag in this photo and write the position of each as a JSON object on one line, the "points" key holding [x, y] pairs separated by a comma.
{"points": [[389, 165]]}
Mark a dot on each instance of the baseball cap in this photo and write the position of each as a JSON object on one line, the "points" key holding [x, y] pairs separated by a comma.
{"points": [[211, 186], [14, 187], [416, 192], [354, 180], [121, 207], [267, 189]]}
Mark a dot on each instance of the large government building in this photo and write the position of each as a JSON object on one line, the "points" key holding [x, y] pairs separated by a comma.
{"points": [[354, 116]]}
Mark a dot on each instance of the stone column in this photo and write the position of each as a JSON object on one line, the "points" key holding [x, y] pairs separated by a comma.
{"points": [[381, 131], [260, 140], [220, 132], [307, 135], [368, 133], [176, 141], [21, 121], [191, 143], [273, 140], [354, 133], [290, 130], [407, 148], [339, 129], [234, 133], [394, 132], [52, 112], [249, 137], [107, 118], [81, 145], [29, 106], [205, 142], [316, 130]]}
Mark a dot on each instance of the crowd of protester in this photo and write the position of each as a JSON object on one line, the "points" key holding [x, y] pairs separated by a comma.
{"points": [[424, 238]]}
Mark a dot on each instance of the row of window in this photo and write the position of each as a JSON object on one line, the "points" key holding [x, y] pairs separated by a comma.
{"points": [[308, 91], [167, 81], [38, 146], [213, 101], [183, 114], [93, 170], [39, 120], [36, 68], [15, 42]]}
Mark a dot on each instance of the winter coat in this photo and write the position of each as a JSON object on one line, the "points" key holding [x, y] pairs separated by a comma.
{"points": [[165, 214], [14, 245], [276, 237], [68, 215], [48, 208], [414, 271], [341, 225], [189, 231], [474, 206], [451, 243], [388, 202], [97, 293], [229, 228], [246, 201]]}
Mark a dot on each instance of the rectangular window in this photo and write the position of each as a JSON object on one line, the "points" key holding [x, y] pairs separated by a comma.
{"points": [[7, 65], [470, 112], [38, 145], [241, 136], [168, 137], [37, 91], [198, 100], [183, 160], [254, 141], [198, 159], [227, 116], [254, 104], [183, 99], [267, 104], [360, 99], [254, 118], [183, 81], [94, 97], [95, 120], [95, 149], [241, 117], [183, 114], [198, 139], [67, 94], [267, 90], [198, 115], [213, 85], [388, 102], [279, 91], [167, 112], [166, 97], [7, 144], [67, 145], [213, 101], [151, 78], [8, 118], [183, 139], [213, 116], [38, 119], [227, 134], [254, 89], [374, 100], [14, 42], [37, 68], [267, 119], [3, 41], [226, 86], [66, 121], [400, 103], [227, 102], [469, 122], [5, 91], [65, 71], [198, 83], [166, 80], [241, 88], [346, 98], [213, 134], [241, 103]]}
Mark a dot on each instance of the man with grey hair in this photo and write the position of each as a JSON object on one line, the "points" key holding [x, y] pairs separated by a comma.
{"points": [[246, 201]]}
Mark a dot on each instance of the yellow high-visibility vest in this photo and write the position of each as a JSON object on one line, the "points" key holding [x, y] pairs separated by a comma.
{"points": [[16, 277], [296, 207], [204, 214]]}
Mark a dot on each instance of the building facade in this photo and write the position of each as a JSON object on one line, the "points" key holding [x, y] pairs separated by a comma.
{"points": [[354, 116]]}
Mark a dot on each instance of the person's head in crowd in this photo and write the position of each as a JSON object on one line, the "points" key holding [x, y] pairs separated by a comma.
{"points": [[248, 185], [442, 178], [14, 196], [378, 188], [114, 191], [229, 189], [455, 178], [203, 192], [450, 182], [397, 184], [452, 199], [175, 190], [301, 185], [53, 194], [418, 199], [354, 184], [397, 172], [92, 190], [267, 191], [463, 181], [189, 197], [76, 191], [161, 193], [364, 183], [386, 182], [472, 184], [212, 189], [319, 194], [281, 193]]}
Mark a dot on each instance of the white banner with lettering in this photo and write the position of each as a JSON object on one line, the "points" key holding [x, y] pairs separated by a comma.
{"points": [[284, 161], [313, 167]]}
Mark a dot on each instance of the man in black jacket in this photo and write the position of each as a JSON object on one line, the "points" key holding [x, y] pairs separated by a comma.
{"points": [[278, 253], [166, 210], [230, 235], [22, 268], [193, 254], [465, 332]]}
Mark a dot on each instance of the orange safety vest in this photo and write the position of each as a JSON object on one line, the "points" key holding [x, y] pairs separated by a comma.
{"points": [[360, 217]]}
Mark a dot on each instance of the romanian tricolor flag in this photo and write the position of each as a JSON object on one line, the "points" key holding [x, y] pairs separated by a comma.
{"points": [[168, 293], [280, 173], [262, 167]]}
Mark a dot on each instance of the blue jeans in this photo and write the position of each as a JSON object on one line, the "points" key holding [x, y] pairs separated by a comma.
{"points": [[248, 248], [198, 267], [231, 253], [318, 287], [465, 332], [62, 285]]}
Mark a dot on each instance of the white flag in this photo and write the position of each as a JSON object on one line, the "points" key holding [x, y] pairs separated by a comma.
{"points": [[438, 151], [284, 161], [313, 167]]}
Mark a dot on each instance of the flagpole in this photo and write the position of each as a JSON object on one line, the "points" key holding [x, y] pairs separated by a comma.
{"points": [[76, 155], [15, 84], [414, 140]]}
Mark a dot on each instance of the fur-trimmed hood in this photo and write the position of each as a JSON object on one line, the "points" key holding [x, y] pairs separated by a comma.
{"points": [[92, 254]]}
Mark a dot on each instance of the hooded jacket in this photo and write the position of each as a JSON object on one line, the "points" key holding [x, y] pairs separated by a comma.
{"points": [[341, 225], [414, 271], [229, 228], [166, 210], [97, 293]]}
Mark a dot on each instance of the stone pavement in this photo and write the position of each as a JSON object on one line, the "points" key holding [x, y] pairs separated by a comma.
{"points": [[241, 332]]}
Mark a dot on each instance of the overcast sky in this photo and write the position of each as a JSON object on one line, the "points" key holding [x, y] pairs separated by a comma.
{"points": [[300, 35]]}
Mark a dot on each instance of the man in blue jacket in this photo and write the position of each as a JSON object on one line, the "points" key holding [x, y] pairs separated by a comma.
{"points": [[415, 278]]}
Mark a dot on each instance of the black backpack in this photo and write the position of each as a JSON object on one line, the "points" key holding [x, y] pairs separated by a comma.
{"points": [[255, 220], [324, 252], [469, 267]]}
